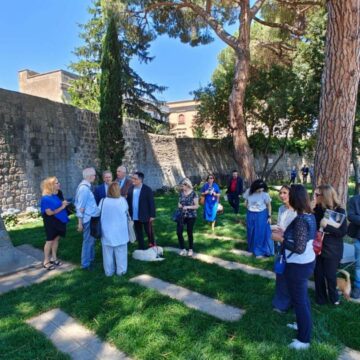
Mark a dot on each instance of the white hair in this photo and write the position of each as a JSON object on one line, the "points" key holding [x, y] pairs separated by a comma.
{"points": [[88, 172], [122, 168]]}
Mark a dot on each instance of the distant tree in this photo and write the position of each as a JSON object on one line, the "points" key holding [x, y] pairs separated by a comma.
{"points": [[338, 96], [191, 22], [111, 146], [139, 97]]}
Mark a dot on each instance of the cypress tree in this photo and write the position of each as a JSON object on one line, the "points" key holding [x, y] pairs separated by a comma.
{"points": [[111, 142]]}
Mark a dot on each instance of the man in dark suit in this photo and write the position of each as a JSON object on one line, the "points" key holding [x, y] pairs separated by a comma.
{"points": [[124, 182], [100, 191], [234, 190], [142, 209]]}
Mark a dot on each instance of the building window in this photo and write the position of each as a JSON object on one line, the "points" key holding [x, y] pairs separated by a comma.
{"points": [[181, 119]]}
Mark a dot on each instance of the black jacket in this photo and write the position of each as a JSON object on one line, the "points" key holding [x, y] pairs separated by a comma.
{"points": [[239, 186], [333, 244], [354, 216], [146, 203]]}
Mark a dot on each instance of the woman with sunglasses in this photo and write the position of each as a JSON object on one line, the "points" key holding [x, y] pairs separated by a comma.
{"points": [[328, 261], [211, 192], [281, 301]]}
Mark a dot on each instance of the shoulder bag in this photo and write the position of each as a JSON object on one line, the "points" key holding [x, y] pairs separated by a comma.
{"points": [[131, 230], [95, 224]]}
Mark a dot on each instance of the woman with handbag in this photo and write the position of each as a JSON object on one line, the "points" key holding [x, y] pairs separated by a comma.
{"points": [[53, 211], [327, 262], [211, 193], [281, 301], [300, 262], [114, 231], [188, 204]]}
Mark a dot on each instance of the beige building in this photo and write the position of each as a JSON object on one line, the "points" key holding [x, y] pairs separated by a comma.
{"points": [[52, 85], [181, 119]]}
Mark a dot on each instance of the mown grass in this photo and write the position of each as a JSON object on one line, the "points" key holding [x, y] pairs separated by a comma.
{"points": [[147, 325]]}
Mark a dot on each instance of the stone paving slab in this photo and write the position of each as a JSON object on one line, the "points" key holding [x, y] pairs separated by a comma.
{"points": [[241, 252], [190, 298], [349, 354], [231, 265], [31, 276], [72, 338]]}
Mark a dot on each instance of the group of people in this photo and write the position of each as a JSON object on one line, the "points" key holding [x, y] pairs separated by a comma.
{"points": [[305, 171], [115, 202], [298, 221]]}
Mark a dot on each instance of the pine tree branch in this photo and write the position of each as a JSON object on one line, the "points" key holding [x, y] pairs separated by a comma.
{"points": [[256, 7], [287, 27], [299, 3], [208, 18]]}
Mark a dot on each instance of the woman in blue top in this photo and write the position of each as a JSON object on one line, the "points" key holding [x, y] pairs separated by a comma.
{"points": [[55, 219], [211, 191]]}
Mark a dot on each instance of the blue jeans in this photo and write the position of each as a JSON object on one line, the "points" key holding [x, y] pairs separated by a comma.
{"points": [[88, 247], [357, 264], [281, 299], [297, 280]]}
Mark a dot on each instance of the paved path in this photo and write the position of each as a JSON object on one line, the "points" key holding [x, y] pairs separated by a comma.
{"points": [[190, 298], [241, 252], [74, 339], [33, 275], [349, 354]]}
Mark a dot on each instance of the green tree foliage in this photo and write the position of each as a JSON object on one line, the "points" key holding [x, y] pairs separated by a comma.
{"points": [[139, 96], [111, 146]]}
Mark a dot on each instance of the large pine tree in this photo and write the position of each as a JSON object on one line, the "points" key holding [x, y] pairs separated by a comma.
{"points": [[111, 146]]}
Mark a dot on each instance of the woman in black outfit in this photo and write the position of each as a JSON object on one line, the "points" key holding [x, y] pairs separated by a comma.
{"points": [[188, 203], [332, 250]]}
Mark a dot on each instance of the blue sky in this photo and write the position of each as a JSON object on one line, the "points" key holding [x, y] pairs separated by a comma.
{"points": [[41, 34]]}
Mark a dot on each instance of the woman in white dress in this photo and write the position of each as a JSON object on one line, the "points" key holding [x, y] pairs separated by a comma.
{"points": [[114, 231]]}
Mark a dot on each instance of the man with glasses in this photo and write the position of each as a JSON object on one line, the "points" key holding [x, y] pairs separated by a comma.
{"points": [[142, 209], [85, 209]]}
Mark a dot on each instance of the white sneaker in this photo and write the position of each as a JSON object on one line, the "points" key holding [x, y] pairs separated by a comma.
{"points": [[292, 326], [298, 345], [183, 252], [190, 252]]}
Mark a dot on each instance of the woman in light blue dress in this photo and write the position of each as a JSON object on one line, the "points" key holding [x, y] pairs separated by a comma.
{"points": [[211, 192]]}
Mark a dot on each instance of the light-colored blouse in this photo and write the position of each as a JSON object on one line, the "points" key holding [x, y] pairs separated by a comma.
{"points": [[257, 202], [114, 226]]}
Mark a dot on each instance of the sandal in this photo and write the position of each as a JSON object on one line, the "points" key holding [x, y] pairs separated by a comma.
{"points": [[48, 266], [56, 262]]}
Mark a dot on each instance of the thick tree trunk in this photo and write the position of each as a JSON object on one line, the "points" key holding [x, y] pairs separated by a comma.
{"points": [[243, 153], [338, 96]]}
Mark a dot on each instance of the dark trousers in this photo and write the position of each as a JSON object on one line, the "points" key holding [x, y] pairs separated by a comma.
{"points": [[292, 180], [297, 280], [325, 277], [138, 227], [234, 201], [189, 222]]}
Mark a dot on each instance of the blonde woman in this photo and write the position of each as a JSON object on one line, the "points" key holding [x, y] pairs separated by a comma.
{"points": [[188, 203], [328, 261], [55, 219], [114, 229]]}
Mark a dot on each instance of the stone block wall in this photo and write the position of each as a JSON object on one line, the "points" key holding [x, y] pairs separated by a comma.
{"points": [[40, 138]]}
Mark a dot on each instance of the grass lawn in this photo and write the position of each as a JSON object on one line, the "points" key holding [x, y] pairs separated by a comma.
{"points": [[147, 325]]}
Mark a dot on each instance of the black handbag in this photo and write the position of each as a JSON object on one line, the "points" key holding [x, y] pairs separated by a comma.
{"points": [[95, 225], [352, 230], [177, 216]]}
